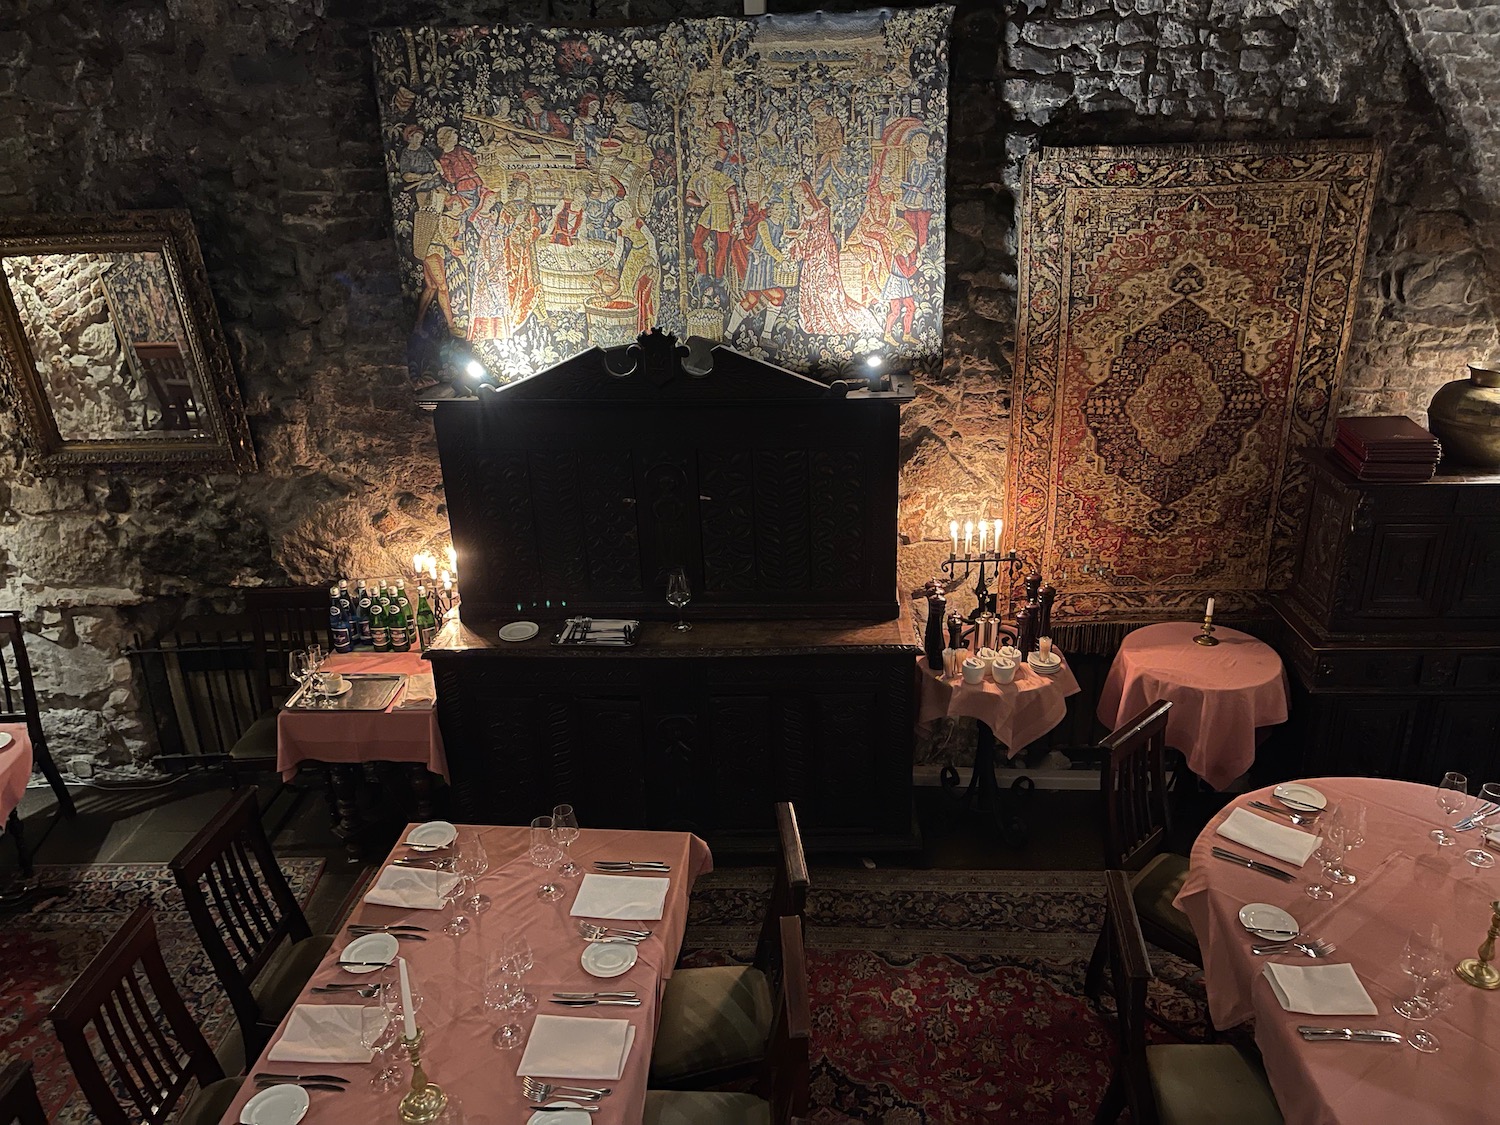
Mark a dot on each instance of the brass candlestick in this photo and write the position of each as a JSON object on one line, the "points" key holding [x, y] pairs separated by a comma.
{"points": [[1477, 970], [424, 1101], [1207, 636]]}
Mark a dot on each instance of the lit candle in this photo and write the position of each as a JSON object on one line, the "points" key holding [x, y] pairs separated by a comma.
{"points": [[983, 527], [452, 559], [408, 1017], [416, 564], [968, 536], [1208, 613], [998, 525], [953, 531]]}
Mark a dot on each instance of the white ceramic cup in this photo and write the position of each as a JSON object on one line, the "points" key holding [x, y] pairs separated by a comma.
{"points": [[333, 682], [1003, 670], [986, 656], [973, 670], [1009, 652]]}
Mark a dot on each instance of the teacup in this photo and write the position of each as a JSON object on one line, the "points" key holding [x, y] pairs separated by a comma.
{"points": [[1003, 670], [333, 683], [1009, 652], [973, 670], [986, 656]]}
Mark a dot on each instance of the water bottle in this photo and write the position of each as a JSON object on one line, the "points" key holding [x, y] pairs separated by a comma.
{"points": [[362, 623], [339, 632], [379, 632]]}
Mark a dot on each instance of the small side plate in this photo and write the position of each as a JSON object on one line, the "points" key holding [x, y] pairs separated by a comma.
{"points": [[1295, 795], [560, 1116], [1267, 921], [608, 959], [370, 948], [5, 739], [276, 1105], [433, 834], [519, 631]]}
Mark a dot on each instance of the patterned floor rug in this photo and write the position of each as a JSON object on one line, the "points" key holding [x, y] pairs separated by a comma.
{"points": [[944, 997], [45, 944]]}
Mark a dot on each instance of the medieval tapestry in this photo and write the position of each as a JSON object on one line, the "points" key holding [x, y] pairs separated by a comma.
{"points": [[777, 184], [1184, 313]]}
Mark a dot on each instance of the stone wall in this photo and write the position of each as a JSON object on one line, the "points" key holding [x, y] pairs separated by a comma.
{"points": [[259, 117]]}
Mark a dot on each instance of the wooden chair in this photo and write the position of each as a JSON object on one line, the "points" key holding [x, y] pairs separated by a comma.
{"points": [[256, 936], [1172, 1082], [786, 1068], [1135, 792], [18, 703], [167, 374], [19, 1103], [150, 1048], [282, 620], [715, 1022]]}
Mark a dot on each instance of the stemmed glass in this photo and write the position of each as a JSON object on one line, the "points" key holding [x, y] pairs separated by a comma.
{"points": [[1489, 791], [315, 658], [499, 996], [679, 593], [296, 666], [470, 862], [544, 853], [378, 1029], [1328, 853], [565, 831], [1351, 818], [1424, 961], [1452, 795], [456, 893]]}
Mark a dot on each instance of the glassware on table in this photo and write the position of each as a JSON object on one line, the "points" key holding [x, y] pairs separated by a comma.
{"points": [[544, 853], [565, 831], [1351, 818], [1488, 792], [1328, 853], [471, 861], [296, 666], [315, 658], [501, 986], [1452, 797], [455, 894], [679, 593], [1424, 960], [378, 1031]]}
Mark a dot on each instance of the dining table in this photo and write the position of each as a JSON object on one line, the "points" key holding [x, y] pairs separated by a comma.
{"points": [[449, 973], [1404, 880], [15, 767], [1223, 696]]}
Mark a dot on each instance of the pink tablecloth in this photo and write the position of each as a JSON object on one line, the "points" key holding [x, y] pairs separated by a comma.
{"points": [[15, 768], [392, 735], [1018, 713], [1219, 695], [1404, 879], [448, 972]]}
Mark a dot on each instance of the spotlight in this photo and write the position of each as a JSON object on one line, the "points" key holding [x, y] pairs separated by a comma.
{"points": [[475, 370], [874, 362]]}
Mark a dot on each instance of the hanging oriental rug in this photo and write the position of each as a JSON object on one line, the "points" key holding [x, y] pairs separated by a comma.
{"points": [[773, 183], [1184, 313]]}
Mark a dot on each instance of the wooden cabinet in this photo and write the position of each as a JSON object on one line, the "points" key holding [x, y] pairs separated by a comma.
{"points": [[1391, 629], [700, 732]]}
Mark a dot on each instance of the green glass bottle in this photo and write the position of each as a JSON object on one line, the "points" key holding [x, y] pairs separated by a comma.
{"points": [[427, 625], [396, 619], [379, 630]]}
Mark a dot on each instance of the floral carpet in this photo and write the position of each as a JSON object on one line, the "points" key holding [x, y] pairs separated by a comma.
{"points": [[46, 943], [944, 997]]}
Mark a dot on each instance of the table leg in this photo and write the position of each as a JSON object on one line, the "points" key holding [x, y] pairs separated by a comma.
{"points": [[345, 790], [995, 804], [421, 790]]}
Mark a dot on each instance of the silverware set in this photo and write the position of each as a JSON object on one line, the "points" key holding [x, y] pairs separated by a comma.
{"points": [[539, 1091], [331, 1083], [581, 631], [585, 999], [1295, 818], [1349, 1034], [1253, 864], [595, 932], [400, 933], [1313, 947], [1477, 818], [618, 865], [364, 991], [432, 864]]}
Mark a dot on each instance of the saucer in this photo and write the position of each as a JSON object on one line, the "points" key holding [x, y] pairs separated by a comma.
{"points": [[5, 739], [276, 1105], [1267, 921], [1046, 667], [371, 948], [608, 958], [433, 834], [346, 685], [519, 631], [1299, 796]]}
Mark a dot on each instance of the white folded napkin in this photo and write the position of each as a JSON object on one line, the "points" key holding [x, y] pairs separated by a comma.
{"points": [[577, 1047], [325, 1033], [1280, 840], [620, 896], [1320, 990], [420, 694], [415, 888]]}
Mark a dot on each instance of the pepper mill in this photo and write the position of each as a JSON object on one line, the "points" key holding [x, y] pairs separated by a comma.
{"points": [[1026, 633], [1033, 584], [937, 611], [956, 631], [1044, 599]]}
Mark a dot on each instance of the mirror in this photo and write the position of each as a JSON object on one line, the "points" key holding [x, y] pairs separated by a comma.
{"points": [[111, 347]]}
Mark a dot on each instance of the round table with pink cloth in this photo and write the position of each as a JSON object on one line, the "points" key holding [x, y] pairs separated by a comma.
{"points": [[1220, 694], [1403, 880], [1017, 713], [15, 767]]}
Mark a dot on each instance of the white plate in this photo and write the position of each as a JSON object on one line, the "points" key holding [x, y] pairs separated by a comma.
{"points": [[433, 834], [608, 958], [346, 686], [1298, 796], [1046, 667], [371, 947], [5, 739], [1267, 921], [276, 1105], [519, 631], [558, 1117]]}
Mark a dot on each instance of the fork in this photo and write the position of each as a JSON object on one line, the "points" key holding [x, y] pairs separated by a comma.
{"points": [[595, 932], [1311, 948], [365, 990], [1295, 818], [539, 1091]]}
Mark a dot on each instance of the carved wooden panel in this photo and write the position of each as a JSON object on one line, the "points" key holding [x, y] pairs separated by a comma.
{"points": [[1402, 577], [1477, 581], [1326, 529], [839, 546], [728, 522], [783, 532], [1360, 736]]}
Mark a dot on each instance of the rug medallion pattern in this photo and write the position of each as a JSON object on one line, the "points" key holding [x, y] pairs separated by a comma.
{"points": [[1184, 313]]}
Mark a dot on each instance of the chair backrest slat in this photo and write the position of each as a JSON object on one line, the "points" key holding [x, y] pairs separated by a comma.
{"points": [[1130, 965], [788, 1052], [151, 1051], [19, 1102], [789, 886], [1135, 789]]}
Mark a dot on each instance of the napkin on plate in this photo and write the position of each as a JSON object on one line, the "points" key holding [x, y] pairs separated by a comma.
{"points": [[620, 896], [1279, 840], [324, 1033], [1320, 990], [415, 888], [577, 1047], [420, 694]]}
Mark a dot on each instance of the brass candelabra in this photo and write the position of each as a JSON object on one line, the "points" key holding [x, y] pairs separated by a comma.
{"points": [[425, 1100], [1478, 971], [988, 564]]}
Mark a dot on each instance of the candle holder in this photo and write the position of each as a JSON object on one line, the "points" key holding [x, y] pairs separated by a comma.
{"points": [[1207, 636], [1478, 971], [988, 564], [425, 1100]]}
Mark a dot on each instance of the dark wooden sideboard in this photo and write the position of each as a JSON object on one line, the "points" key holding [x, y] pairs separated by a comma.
{"points": [[1391, 630]]}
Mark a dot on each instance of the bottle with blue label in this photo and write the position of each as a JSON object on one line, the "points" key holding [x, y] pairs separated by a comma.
{"points": [[339, 632]]}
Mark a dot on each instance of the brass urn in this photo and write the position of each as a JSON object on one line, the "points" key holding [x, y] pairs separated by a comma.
{"points": [[1465, 418]]}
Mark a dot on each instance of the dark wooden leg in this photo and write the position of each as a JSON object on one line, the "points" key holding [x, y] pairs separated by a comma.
{"points": [[330, 797], [1093, 978], [421, 790], [14, 830], [1114, 1100], [43, 758], [345, 793]]}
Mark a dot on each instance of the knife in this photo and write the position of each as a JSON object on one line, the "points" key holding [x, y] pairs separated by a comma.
{"points": [[1296, 804], [302, 1077], [633, 864], [1353, 1034], [1293, 817], [584, 1002], [328, 1086], [386, 929], [1255, 865], [593, 995], [1474, 819], [565, 1108], [361, 964]]}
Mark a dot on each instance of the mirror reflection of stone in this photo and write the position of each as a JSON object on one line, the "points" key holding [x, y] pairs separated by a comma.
{"points": [[108, 338]]}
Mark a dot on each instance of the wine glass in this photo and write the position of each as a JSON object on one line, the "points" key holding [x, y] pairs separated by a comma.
{"points": [[455, 893], [1452, 795], [1328, 853], [503, 990], [1351, 818], [471, 862], [296, 666], [315, 658], [377, 1031], [565, 831], [544, 853], [1422, 959], [1489, 791], [679, 593]]}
